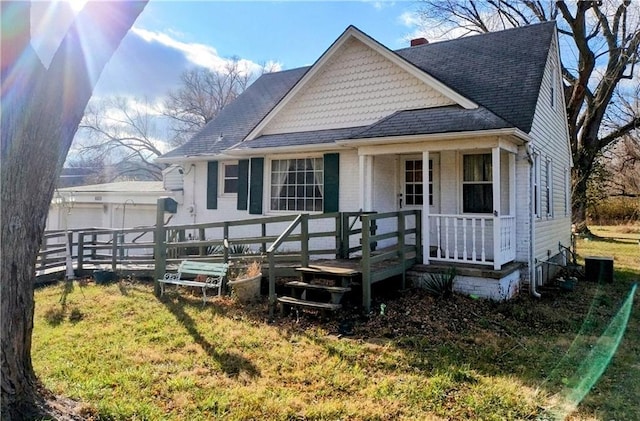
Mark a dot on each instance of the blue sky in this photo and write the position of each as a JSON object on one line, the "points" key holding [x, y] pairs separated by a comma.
{"points": [[170, 37]]}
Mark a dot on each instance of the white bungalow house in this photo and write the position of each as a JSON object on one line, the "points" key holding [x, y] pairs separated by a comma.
{"points": [[470, 131]]}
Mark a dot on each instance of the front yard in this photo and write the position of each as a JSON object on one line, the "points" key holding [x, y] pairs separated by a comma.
{"points": [[126, 355]]}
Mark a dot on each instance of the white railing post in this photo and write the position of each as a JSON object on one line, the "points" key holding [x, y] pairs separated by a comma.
{"points": [[426, 240], [464, 238], [497, 249], [439, 237], [455, 238], [483, 226], [446, 237], [473, 240], [495, 168]]}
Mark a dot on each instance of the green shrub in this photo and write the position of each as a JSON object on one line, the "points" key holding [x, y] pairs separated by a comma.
{"points": [[438, 284]]}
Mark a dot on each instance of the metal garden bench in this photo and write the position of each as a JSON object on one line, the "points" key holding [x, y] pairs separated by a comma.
{"points": [[200, 274]]}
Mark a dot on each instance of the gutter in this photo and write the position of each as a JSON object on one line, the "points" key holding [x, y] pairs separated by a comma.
{"points": [[437, 136], [532, 236]]}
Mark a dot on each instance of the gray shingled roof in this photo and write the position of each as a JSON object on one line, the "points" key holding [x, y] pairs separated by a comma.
{"points": [[433, 120], [500, 71], [300, 138]]}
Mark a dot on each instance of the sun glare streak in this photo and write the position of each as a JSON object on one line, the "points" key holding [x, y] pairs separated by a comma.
{"points": [[76, 5], [596, 362]]}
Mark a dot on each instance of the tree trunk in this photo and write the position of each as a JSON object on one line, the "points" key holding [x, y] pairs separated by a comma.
{"points": [[579, 208], [41, 110]]}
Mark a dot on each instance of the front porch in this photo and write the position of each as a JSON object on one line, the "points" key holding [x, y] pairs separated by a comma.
{"points": [[465, 189], [377, 246]]}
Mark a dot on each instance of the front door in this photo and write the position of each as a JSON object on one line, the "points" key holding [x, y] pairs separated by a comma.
{"points": [[413, 194]]}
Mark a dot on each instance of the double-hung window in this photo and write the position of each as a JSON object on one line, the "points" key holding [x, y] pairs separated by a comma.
{"points": [[297, 184], [477, 187], [537, 195], [549, 187], [230, 178]]}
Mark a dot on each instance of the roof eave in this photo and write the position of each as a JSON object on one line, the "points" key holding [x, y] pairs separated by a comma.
{"points": [[189, 158], [516, 133], [320, 147]]}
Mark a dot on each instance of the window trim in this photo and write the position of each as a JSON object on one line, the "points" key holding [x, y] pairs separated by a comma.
{"points": [[537, 195], [269, 184], [222, 178], [483, 182], [549, 187]]}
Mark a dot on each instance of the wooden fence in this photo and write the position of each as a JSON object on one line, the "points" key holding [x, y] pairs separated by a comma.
{"points": [[281, 243]]}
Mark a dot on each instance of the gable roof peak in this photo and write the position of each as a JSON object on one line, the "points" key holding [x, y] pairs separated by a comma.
{"points": [[353, 32]]}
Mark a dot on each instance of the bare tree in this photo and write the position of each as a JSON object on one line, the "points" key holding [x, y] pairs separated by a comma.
{"points": [[201, 96], [121, 133], [41, 109], [621, 160], [124, 132], [603, 38], [623, 166]]}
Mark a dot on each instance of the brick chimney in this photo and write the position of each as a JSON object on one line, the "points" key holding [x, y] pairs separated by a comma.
{"points": [[419, 41]]}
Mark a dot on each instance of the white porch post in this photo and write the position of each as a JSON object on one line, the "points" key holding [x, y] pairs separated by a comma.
{"points": [[366, 182], [426, 238], [495, 165], [512, 184]]}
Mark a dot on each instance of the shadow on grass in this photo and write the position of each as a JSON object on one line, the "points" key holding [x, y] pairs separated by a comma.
{"points": [[232, 364], [611, 240]]}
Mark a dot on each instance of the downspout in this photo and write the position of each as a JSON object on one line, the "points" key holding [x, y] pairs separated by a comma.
{"points": [[532, 268]]}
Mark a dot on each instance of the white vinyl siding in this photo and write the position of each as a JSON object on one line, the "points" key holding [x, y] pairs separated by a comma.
{"points": [[550, 141], [567, 191], [348, 91]]}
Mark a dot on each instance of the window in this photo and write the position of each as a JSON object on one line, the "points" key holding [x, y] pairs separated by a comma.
{"points": [[413, 182], [230, 178], [477, 187], [549, 187], [297, 184], [536, 185]]}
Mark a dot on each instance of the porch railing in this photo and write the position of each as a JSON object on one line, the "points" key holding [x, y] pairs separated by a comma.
{"points": [[477, 239]]}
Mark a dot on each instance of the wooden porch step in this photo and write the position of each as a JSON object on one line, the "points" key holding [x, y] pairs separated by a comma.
{"points": [[296, 302], [306, 285], [299, 290], [328, 270], [344, 276]]}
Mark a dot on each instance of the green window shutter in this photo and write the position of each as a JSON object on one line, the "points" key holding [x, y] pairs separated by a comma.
{"points": [[331, 182], [212, 185], [243, 183], [256, 187]]}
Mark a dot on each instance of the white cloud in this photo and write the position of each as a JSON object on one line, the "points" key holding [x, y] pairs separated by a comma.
{"points": [[380, 4], [433, 30], [199, 54], [410, 19]]}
